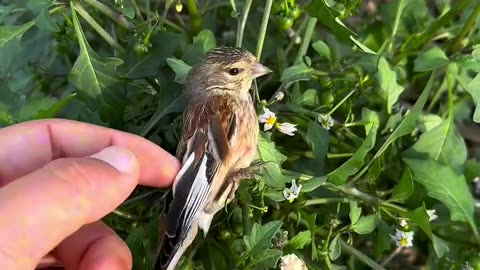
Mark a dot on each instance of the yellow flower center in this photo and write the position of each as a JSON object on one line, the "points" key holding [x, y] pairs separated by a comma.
{"points": [[403, 242], [271, 120]]}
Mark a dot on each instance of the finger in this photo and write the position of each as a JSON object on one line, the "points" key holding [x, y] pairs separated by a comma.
{"points": [[53, 202], [94, 246], [30, 145]]}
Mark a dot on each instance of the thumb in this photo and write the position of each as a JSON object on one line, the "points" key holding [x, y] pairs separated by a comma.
{"points": [[40, 209]]}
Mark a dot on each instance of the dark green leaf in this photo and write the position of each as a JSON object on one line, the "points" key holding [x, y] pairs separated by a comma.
{"points": [[180, 68], [176, 105], [317, 138], [205, 40], [260, 237], [366, 224], [322, 49], [266, 259], [355, 212], [329, 17], [44, 21], [383, 240], [390, 90], [10, 32], [300, 240], [309, 98], [298, 72], [420, 217], [334, 250], [404, 188], [313, 183], [430, 60], [55, 108]]}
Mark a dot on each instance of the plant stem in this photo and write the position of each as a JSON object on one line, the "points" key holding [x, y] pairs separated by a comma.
{"points": [[195, 18], [111, 14], [400, 7], [325, 201], [391, 256], [341, 101], [360, 256], [306, 39], [242, 22], [341, 155], [263, 28], [467, 27], [79, 8]]}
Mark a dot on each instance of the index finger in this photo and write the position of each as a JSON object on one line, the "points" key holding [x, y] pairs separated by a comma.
{"points": [[30, 145]]}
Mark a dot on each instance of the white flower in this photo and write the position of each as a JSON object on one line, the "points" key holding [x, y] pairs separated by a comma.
{"points": [[287, 128], [269, 118], [326, 121], [403, 239], [292, 262], [292, 193], [431, 215], [403, 223], [279, 96]]}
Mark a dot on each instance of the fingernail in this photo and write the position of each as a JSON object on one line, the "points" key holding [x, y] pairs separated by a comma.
{"points": [[118, 157]]}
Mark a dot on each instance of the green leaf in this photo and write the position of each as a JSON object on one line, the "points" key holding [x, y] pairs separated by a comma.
{"points": [[317, 138], [180, 68], [10, 32], [430, 60], [443, 184], [334, 250], [404, 188], [309, 98], [298, 72], [34, 105], [55, 108], [366, 224], [390, 90], [260, 237], [266, 259], [364, 48], [443, 144], [300, 240], [322, 49], [354, 163], [383, 240], [267, 152], [473, 88], [44, 21], [440, 246], [205, 40], [91, 74], [313, 183], [273, 176], [420, 217], [355, 212], [177, 105], [330, 18]]}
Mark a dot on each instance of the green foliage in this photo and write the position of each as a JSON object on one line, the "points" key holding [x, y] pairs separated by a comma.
{"points": [[386, 102]]}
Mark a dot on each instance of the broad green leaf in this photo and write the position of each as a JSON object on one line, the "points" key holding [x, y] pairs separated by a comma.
{"points": [[443, 184], [265, 259], [404, 188], [34, 105], [313, 183], [322, 49], [176, 105], [471, 170], [390, 90], [430, 60], [309, 98], [366, 224], [205, 40], [317, 138], [427, 122], [260, 237], [334, 250], [372, 117], [91, 74], [440, 246], [44, 21], [10, 32], [268, 152], [329, 17], [273, 176], [355, 212], [300, 240], [180, 68], [383, 241], [55, 108], [353, 165], [443, 144], [473, 88], [392, 123], [420, 217], [298, 72]]}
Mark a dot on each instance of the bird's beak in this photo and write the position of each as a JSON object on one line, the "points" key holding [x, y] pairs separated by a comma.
{"points": [[260, 70]]}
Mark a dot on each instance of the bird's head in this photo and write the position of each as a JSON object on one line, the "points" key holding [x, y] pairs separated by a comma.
{"points": [[224, 70]]}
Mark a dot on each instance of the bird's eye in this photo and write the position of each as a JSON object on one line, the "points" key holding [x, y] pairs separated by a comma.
{"points": [[233, 71]]}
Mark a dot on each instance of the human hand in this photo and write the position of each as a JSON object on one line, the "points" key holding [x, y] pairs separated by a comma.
{"points": [[52, 194]]}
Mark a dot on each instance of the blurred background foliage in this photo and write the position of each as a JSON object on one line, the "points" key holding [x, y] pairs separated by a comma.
{"points": [[385, 96]]}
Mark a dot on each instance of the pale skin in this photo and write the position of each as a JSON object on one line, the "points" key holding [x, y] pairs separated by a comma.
{"points": [[53, 192]]}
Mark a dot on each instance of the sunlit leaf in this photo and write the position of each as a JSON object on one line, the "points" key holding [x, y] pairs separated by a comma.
{"points": [[335, 250], [329, 17], [440, 246], [390, 90], [473, 88], [429, 60], [355, 212], [300, 240], [205, 40], [322, 49], [180, 68]]}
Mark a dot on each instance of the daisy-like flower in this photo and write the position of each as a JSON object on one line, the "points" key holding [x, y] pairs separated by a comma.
{"points": [[326, 121], [292, 193], [432, 215], [287, 128], [268, 118], [402, 238], [292, 262]]}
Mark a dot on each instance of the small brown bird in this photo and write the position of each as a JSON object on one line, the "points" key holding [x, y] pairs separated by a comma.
{"points": [[218, 144]]}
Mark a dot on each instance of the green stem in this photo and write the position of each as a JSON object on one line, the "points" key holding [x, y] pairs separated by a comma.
{"points": [[111, 14], [242, 22], [263, 28], [342, 101], [126, 215], [306, 39], [400, 7], [195, 18], [360, 256], [325, 201], [79, 8], [467, 28], [422, 38], [341, 155], [247, 224]]}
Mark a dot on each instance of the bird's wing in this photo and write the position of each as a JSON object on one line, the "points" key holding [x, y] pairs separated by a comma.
{"points": [[212, 128]]}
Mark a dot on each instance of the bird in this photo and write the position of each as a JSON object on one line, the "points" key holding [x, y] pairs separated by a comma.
{"points": [[216, 148]]}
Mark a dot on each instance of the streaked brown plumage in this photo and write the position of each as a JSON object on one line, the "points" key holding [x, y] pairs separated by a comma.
{"points": [[218, 141]]}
